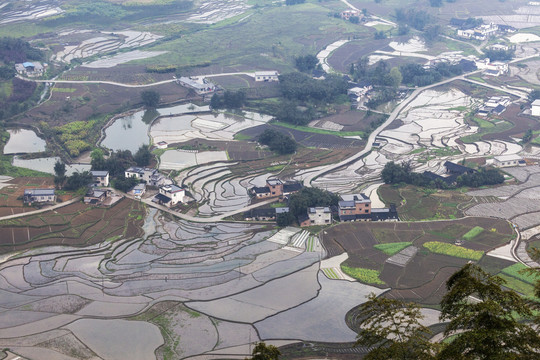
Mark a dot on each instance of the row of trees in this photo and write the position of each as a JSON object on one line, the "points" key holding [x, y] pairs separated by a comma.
{"points": [[402, 173], [378, 74], [302, 87], [499, 55], [484, 320], [117, 163], [277, 141], [229, 100], [416, 75]]}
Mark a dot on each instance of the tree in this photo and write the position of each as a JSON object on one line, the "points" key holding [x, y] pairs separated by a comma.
{"points": [[277, 141], [395, 77], [265, 352], [78, 180], [484, 319], [527, 136], [306, 63], [150, 98], [393, 329], [284, 219], [97, 160], [59, 173], [143, 156], [534, 95]]}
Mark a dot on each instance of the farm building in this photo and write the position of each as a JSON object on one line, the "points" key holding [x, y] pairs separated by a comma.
{"points": [[40, 196], [95, 196], [138, 190], [265, 214], [456, 169], [151, 177], [347, 14], [267, 76], [170, 195], [508, 160], [275, 187], [29, 68], [100, 178], [201, 86], [535, 107]]}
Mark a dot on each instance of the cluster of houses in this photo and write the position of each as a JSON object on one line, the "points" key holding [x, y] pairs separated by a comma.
{"points": [[200, 85], [350, 13], [494, 105], [30, 69], [351, 207], [469, 63], [203, 86], [481, 32]]}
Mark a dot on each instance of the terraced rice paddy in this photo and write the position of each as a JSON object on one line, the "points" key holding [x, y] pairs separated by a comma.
{"points": [[434, 120], [177, 279]]}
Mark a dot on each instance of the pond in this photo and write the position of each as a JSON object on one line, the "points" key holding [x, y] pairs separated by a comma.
{"points": [[23, 141], [131, 131], [47, 165]]}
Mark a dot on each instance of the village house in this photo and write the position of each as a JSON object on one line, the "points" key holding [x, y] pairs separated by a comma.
{"points": [[30, 69], [494, 105], [138, 190], [39, 196], [496, 68], [275, 188], [535, 107], [100, 178], [95, 196], [267, 76], [162, 145], [508, 161], [152, 177], [357, 207], [317, 216], [201, 86], [170, 195], [348, 14], [260, 214]]}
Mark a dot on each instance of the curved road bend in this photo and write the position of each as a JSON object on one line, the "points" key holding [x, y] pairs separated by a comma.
{"points": [[371, 139], [127, 85]]}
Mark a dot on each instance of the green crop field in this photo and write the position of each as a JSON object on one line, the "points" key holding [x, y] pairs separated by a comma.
{"points": [[453, 250], [517, 272], [367, 276], [392, 248], [474, 232]]}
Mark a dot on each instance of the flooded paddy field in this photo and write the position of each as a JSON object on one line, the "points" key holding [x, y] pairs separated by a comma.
{"points": [[23, 141], [188, 271]]}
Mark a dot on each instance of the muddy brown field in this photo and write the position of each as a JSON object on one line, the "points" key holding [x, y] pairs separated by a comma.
{"points": [[76, 224], [422, 278]]}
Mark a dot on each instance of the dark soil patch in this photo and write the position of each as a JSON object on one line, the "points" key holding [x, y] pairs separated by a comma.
{"points": [[422, 278], [351, 52], [75, 225], [306, 138]]}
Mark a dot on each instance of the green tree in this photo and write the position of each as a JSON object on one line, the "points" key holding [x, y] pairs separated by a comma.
{"points": [[306, 63], [78, 180], [97, 159], [265, 352], [143, 156], [393, 329], [59, 174], [395, 77], [150, 98], [484, 318]]}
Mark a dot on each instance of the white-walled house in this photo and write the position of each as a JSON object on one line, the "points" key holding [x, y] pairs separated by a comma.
{"points": [[507, 160], [100, 178], [267, 76], [535, 107], [170, 195]]}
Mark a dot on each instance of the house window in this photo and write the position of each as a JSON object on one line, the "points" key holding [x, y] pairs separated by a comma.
{"points": [[367, 205], [313, 221], [366, 211]]}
